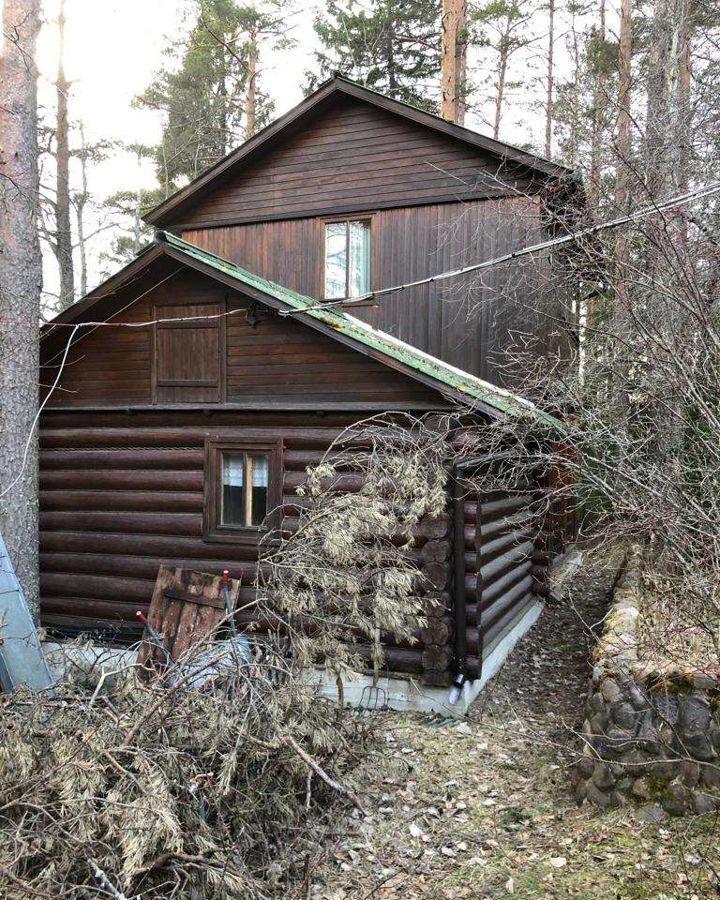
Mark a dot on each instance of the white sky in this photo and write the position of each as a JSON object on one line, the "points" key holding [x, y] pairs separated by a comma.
{"points": [[113, 47]]}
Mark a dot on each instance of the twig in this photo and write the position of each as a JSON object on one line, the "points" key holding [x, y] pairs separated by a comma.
{"points": [[105, 882], [164, 858], [25, 885], [289, 741]]}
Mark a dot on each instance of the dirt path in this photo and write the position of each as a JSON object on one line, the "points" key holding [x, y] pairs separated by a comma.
{"points": [[483, 808]]}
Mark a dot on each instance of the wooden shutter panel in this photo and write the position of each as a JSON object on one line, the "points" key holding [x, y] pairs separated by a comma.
{"points": [[189, 355]]}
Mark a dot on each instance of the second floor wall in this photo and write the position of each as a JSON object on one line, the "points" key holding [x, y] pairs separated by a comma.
{"points": [[474, 322]]}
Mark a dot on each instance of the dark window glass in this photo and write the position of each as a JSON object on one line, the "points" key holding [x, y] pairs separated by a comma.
{"points": [[244, 489]]}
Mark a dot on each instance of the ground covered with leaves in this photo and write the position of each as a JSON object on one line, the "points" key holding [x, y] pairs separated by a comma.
{"points": [[484, 808]]}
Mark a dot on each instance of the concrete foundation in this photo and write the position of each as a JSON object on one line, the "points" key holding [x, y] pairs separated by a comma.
{"points": [[406, 694]]}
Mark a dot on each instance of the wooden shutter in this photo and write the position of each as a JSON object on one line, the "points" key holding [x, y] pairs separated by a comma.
{"points": [[189, 355]]}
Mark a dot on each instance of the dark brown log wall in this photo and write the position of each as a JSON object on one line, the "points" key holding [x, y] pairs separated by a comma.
{"points": [[503, 568], [353, 157], [468, 322], [273, 362], [121, 494]]}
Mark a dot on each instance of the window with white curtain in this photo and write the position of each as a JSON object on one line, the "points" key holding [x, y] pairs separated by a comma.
{"points": [[244, 497], [347, 259], [243, 489]]}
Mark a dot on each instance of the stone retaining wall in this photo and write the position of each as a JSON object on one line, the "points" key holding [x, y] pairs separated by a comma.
{"points": [[651, 739]]}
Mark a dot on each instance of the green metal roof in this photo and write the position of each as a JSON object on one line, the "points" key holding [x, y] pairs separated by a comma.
{"points": [[469, 386]]}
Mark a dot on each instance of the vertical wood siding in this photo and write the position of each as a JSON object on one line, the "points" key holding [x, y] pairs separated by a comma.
{"points": [[469, 322]]}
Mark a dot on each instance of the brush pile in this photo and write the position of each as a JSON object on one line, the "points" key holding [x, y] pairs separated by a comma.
{"points": [[165, 788]]}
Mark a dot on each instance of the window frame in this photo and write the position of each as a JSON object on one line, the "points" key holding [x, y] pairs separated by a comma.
{"points": [[213, 529], [346, 219]]}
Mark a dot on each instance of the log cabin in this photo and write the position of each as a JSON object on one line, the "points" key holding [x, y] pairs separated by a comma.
{"points": [[194, 387]]}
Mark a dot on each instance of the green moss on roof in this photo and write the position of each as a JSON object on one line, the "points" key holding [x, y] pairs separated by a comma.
{"points": [[475, 389]]}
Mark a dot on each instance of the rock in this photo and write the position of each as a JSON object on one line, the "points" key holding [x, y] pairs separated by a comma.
{"points": [[611, 690], [689, 772], [703, 803], [618, 800], [602, 777], [667, 707], [625, 715], [620, 738], [714, 735], [596, 704], [641, 788], [694, 713], [596, 796], [636, 759], [710, 776], [704, 682], [699, 746], [599, 723], [585, 766], [648, 735], [674, 800], [651, 813], [668, 738], [581, 791], [638, 697]]}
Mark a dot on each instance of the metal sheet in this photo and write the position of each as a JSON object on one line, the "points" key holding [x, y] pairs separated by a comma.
{"points": [[21, 657]]}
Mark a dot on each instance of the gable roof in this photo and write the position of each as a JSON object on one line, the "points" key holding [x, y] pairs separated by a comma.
{"points": [[450, 381], [338, 86]]}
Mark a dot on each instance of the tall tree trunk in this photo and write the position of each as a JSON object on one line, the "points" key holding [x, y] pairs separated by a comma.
{"points": [[573, 147], [683, 117], [658, 119], [622, 178], [251, 86], [63, 231], [20, 285], [80, 202], [550, 79], [453, 60], [504, 54], [390, 51], [599, 101]]}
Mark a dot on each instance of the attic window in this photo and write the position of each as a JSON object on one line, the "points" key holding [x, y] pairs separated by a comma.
{"points": [[347, 258], [243, 487]]}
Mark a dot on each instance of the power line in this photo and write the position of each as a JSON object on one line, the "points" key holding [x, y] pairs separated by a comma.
{"points": [[680, 200], [33, 426]]}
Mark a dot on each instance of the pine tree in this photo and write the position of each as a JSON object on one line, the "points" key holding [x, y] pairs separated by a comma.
{"points": [[20, 285], [391, 46], [214, 100], [583, 107], [126, 208], [63, 243], [453, 53], [504, 27]]}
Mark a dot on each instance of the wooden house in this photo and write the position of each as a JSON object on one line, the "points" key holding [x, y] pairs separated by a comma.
{"points": [[169, 439]]}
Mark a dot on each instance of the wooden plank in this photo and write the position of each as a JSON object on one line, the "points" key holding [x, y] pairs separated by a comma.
{"points": [[186, 607]]}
